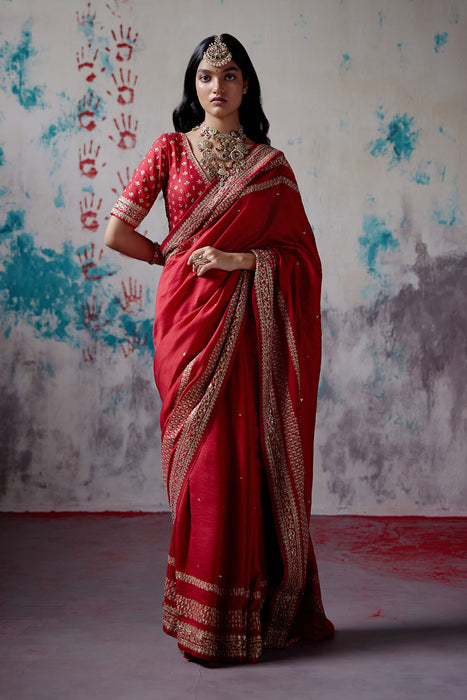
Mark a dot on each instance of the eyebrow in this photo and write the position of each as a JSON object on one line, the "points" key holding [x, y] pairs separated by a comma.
{"points": [[226, 70]]}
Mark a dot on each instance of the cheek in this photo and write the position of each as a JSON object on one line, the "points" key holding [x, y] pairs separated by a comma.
{"points": [[201, 91]]}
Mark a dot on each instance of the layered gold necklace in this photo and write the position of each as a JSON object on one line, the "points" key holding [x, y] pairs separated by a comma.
{"points": [[222, 154]]}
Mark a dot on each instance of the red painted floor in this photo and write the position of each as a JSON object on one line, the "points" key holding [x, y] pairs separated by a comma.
{"points": [[80, 614]]}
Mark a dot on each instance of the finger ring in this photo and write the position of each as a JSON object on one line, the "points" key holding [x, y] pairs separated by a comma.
{"points": [[200, 260]]}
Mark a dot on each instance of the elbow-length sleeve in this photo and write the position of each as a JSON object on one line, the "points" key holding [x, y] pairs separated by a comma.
{"points": [[141, 192]]}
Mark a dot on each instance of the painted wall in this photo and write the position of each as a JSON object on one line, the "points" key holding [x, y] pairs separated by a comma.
{"points": [[368, 100]]}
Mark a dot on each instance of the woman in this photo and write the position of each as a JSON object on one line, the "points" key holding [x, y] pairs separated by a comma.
{"points": [[237, 354]]}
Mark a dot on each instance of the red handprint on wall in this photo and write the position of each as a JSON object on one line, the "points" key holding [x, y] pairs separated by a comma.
{"points": [[89, 213], [87, 160], [125, 45], [136, 341], [86, 60], [115, 6], [90, 264], [127, 135], [89, 354], [126, 92], [86, 19], [132, 298], [123, 182], [91, 316], [87, 109]]}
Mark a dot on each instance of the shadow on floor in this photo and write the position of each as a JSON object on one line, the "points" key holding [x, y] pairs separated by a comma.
{"points": [[383, 639]]}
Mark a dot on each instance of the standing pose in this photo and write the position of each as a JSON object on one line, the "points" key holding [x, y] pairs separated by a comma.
{"points": [[237, 339]]}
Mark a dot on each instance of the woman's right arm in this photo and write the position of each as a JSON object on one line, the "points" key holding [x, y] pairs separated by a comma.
{"points": [[122, 237]]}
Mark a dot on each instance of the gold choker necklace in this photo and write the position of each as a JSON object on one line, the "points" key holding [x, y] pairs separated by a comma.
{"points": [[222, 154]]}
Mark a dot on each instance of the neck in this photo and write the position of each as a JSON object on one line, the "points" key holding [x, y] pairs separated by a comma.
{"points": [[224, 126]]}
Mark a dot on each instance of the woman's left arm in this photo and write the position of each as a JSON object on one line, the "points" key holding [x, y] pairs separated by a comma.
{"points": [[208, 258]]}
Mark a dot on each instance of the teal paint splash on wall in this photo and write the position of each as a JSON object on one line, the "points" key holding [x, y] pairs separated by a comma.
{"points": [[14, 64], [399, 138], [14, 222], [422, 176], [450, 211], [42, 288], [453, 15], [441, 40], [325, 391], [59, 200], [377, 239], [54, 135], [62, 127], [2, 156], [86, 24], [443, 131], [47, 290], [345, 63]]}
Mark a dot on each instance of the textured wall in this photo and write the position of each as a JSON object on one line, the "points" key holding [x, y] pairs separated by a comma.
{"points": [[368, 100]]}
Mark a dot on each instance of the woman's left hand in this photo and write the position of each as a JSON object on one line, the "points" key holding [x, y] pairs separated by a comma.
{"points": [[208, 258]]}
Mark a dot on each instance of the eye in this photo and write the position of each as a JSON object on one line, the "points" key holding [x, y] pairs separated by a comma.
{"points": [[204, 78], [230, 76]]}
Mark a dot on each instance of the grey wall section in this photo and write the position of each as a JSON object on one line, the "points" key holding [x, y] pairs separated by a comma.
{"points": [[368, 100]]}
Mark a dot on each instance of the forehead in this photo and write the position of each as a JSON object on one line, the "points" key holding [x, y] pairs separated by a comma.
{"points": [[206, 67]]}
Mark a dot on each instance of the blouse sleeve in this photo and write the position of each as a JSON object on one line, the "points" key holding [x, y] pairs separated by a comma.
{"points": [[141, 192]]}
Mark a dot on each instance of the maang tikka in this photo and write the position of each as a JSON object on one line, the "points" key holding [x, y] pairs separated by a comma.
{"points": [[217, 53]]}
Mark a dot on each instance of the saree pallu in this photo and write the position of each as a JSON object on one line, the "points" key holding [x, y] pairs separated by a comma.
{"points": [[237, 358]]}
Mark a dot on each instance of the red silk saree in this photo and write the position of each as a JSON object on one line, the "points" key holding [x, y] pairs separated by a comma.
{"points": [[237, 359]]}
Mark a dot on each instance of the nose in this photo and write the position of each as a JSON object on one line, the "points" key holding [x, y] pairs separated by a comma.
{"points": [[217, 87]]}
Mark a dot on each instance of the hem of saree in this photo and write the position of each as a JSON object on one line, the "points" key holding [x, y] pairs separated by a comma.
{"points": [[227, 647], [212, 622], [231, 647]]}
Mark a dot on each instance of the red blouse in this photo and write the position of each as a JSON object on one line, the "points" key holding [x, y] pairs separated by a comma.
{"points": [[169, 166]]}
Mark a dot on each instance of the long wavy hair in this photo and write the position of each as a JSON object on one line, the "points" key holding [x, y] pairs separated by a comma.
{"points": [[189, 113]]}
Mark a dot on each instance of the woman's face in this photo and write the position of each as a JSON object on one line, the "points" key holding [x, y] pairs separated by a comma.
{"points": [[220, 90]]}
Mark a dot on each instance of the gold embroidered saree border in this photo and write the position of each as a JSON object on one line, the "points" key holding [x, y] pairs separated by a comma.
{"points": [[284, 455], [273, 182], [225, 624], [220, 591], [207, 615], [222, 647]]}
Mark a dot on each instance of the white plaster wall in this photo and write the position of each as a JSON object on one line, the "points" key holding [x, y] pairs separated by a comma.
{"points": [[368, 100]]}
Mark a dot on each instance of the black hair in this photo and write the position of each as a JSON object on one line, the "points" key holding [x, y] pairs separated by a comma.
{"points": [[189, 112]]}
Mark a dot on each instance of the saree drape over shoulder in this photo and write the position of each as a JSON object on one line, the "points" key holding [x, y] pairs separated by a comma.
{"points": [[237, 359]]}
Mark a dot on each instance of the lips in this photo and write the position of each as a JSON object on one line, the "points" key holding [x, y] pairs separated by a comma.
{"points": [[218, 100]]}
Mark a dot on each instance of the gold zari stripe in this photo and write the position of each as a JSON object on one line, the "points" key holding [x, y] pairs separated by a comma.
{"points": [[246, 646]]}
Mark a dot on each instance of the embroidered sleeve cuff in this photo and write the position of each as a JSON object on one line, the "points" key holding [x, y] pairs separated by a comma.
{"points": [[129, 212]]}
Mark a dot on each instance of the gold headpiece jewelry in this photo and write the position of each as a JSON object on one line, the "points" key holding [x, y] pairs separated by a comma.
{"points": [[217, 53]]}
